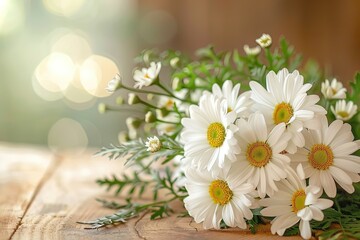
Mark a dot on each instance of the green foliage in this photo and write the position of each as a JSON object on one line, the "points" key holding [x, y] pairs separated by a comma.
{"points": [[133, 183]]}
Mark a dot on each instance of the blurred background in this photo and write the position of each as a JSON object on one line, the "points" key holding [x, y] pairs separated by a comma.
{"points": [[58, 55]]}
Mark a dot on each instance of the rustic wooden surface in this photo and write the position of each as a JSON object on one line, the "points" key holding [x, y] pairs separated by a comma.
{"points": [[43, 196]]}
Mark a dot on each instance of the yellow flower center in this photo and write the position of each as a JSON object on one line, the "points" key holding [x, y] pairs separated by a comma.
{"points": [[169, 104], [216, 134], [220, 192], [282, 113], [298, 200], [146, 75], [321, 156], [343, 114], [258, 154], [229, 109], [333, 90]]}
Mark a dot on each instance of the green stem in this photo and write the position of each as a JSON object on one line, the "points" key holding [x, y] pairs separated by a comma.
{"points": [[269, 58], [171, 94], [142, 91], [162, 121], [122, 109], [337, 205]]}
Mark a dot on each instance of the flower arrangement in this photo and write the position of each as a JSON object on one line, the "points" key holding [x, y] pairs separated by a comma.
{"points": [[242, 140]]}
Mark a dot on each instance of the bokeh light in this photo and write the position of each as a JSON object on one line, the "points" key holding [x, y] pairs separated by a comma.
{"points": [[67, 134], [66, 8], [55, 72], [95, 73], [73, 45], [73, 71], [11, 15]]}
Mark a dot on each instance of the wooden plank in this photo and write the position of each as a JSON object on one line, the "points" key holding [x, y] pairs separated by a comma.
{"points": [[69, 196], [185, 228], [21, 172]]}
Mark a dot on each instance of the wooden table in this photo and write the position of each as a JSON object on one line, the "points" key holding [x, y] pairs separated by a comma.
{"points": [[43, 195]]}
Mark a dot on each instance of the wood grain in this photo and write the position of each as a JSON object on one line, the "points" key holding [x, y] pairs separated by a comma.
{"points": [[67, 194], [21, 172]]}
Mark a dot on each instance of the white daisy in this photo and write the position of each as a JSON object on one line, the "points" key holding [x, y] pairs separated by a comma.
{"points": [[153, 144], [294, 202], [260, 161], [344, 111], [114, 83], [208, 134], [264, 41], [237, 103], [252, 51], [212, 199], [333, 90], [147, 76], [326, 157], [285, 100]]}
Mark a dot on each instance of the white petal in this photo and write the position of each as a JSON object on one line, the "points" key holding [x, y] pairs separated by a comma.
{"points": [[276, 210], [347, 165], [305, 229], [340, 175], [322, 203], [328, 183], [305, 214], [332, 131], [318, 215]]}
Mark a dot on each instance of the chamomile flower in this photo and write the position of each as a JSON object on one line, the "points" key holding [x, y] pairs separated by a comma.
{"points": [[212, 199], [264, 41], [294, 202], [147, 76], [239, 103], [333, 90], [326, 157], [260, 161], [153, 144], [285, 100], [344, 111], [208, 134]]}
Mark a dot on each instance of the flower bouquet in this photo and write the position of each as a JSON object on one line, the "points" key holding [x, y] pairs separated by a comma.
{"points": [[241, 140]]}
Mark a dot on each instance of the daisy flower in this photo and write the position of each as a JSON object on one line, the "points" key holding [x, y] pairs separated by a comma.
{"points": [[333, 90], [326, 157], [239, 103], [344, 111], [208, 134], [212, 199], [294, 202], [260, 161], [147, 76], [285, 101], [264, 41]]}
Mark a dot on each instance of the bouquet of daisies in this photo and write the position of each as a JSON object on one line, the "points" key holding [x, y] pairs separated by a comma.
{"points": [[241, 140]]}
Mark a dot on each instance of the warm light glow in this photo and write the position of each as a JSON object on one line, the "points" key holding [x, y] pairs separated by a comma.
{"points": [[65, 8], [67, 134], [73, 45], [95, 73], [55, 72], [43, 93], [11, 15]]}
